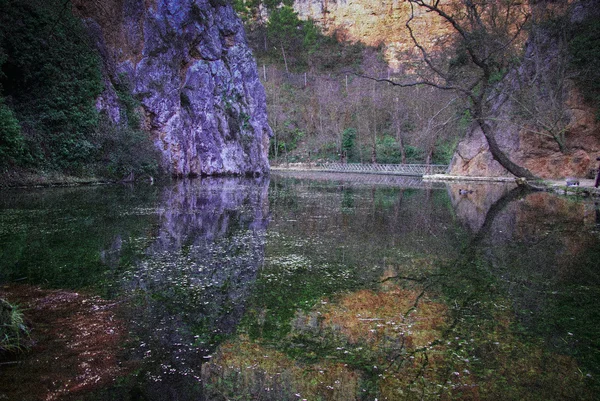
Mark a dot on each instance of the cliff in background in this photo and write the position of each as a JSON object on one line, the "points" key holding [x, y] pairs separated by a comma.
{"points": [[522, 140], [189, 66], [521, 136], [374, 23]]}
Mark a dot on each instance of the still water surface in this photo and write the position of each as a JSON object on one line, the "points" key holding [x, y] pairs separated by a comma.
{"points": [[315, 287]]}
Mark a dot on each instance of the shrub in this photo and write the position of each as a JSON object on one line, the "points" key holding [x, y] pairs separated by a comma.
{"points": [[13, 332], [53, 76], [123, 150], [349, 144], [11, 139]]}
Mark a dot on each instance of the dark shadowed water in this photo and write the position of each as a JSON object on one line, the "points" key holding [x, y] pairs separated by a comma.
{"points": [[302, 287]]}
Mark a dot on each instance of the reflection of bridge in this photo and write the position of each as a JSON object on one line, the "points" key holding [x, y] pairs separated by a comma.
{"points": [[389, 180], [416, 170]]}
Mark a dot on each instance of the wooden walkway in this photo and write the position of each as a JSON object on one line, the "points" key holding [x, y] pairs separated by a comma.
{"points": [[413, 170]]}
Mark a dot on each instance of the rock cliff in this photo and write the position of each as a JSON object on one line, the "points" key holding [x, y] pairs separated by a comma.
{"points": [[526, 142], [189, 66], [374, 23], [556, 101]]}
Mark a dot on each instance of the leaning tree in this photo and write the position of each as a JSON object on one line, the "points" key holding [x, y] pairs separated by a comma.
{"points": [[484, 43]]}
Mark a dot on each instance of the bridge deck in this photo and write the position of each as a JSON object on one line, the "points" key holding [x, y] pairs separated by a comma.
{"points": [[416, 170]]}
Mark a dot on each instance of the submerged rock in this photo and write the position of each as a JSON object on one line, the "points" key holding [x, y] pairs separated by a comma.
{"points": [[188, 64]]}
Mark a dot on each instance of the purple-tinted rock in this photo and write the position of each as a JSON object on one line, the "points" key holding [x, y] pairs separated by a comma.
{"points": [[188, 63]]}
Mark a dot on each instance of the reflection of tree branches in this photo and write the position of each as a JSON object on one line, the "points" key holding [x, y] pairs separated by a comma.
{"points": [[466, 257], [490, 217]]}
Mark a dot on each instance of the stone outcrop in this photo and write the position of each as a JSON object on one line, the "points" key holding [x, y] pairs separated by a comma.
{"points": [[383, 22], [539, 154], [188, 64], [526, 142], [374, 23]]}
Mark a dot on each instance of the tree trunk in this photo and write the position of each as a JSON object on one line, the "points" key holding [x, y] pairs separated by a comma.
{"points": [[284, 58], [401, 145], [499, 155]]}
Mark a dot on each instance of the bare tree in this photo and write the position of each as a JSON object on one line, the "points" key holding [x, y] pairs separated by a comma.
{"points": [[433, 122], [543, 86], [486, 39]]}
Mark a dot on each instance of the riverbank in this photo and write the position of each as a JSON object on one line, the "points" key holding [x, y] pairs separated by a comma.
{"points": [[585, 186], [41, 179]]}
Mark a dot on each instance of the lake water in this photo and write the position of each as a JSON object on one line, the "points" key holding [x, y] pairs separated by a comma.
{"points": [[302, 287]]}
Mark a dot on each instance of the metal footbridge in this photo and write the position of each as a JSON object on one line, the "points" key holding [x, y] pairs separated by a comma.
{"points": [[395, 169], [413, 170]]}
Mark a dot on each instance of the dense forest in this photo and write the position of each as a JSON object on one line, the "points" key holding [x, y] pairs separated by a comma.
{"points": [[50, 78]]}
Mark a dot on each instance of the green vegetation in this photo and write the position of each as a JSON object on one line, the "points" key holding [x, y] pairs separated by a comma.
{"points": [[50, 77], [349, 143], [294, 44], [13, 332], [313, 101], [11, 138]]}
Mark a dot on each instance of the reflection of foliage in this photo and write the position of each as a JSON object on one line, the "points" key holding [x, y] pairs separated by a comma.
{"points": [[61, 245], [505, 360], [279, 297], [448, 328]]}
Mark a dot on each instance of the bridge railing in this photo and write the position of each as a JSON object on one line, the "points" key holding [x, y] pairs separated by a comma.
{"points": [[400, 169]]}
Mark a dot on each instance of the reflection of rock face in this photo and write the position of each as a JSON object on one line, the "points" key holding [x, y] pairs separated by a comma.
{"points": [[541, 247], [200, 211], [190, 66], [198, 274], [471, 201]]}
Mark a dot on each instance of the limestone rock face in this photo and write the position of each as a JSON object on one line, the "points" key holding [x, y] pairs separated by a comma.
{"points": [[374, 23], [522, 142], [541, 155], [189, 65]]}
